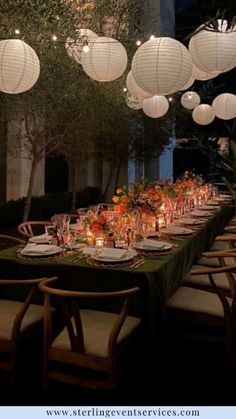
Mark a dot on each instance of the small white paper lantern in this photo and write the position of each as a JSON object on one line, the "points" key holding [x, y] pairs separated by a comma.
{"points": [[106, 59], [74, 47], [134, 102], [20, 66], [155, 106], [189, 83], [134, 88], [224, 106], [190, 100], [199, 74], [162, 66], [203, 114], [213, 50]]}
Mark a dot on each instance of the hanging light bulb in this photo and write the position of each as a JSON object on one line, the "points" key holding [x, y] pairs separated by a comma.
{"points": [[17, 31], [138, 42], [125, 89], [54, 38], [152, 37], [85, 47]]}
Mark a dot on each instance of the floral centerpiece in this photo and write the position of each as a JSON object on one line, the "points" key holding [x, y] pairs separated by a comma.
{"points": [[138, 196], [97, 224]]}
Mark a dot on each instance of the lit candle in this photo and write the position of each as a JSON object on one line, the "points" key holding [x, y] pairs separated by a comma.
{"points": [[99, 241], [90, 238]]}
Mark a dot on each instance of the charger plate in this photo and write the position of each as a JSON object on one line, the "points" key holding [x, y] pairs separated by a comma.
{"points": [[99, 264], [56, 256]]}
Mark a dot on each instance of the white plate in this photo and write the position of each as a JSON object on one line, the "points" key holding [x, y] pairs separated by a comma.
{"points": [[128, 254], [177, 230], [190, 221], [153, 245], [209, 207], [49, 250], [42, 238], [198, 213]]}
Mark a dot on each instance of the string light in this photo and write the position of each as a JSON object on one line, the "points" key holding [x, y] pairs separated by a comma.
{"points": [[54, 38], [17, 31], [138, 42], [125, 89], [170, 99], [152, 37]]}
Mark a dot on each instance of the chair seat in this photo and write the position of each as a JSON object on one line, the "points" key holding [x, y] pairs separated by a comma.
{"points": [[220, 279], [97, 327], [214, 262], [198, 301], [8, 312]]}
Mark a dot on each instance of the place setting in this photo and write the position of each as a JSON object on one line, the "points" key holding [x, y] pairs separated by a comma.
{"points": [[112, 257], [40, 251]]}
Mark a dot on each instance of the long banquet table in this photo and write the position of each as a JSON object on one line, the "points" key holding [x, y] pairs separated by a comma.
{"points": [[157, 279]]}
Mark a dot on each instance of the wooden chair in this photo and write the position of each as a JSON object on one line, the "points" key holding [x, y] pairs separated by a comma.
{"points": [[17, 320], [222, 281], [199, 314], [91, 340], [31, 228], [8, 241], [224, 243]]}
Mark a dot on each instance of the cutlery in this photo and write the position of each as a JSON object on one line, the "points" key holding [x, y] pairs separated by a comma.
{"points": [[137, 263], [141, 262]]}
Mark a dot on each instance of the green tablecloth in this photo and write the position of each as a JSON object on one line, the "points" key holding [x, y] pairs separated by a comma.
{"points": [[157, 279]]}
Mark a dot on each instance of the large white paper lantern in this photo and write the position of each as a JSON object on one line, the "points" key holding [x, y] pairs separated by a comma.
{"points": [[74, 47], [189, 83], [203, 114], [19, 66], [199, 74], [155, 106], [224, 106], [162, 66], [106, 59], [190, 100], [213, 50], [134, 102], [134, 88]]}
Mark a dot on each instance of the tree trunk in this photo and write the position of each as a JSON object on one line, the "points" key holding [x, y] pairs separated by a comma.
{"points": [[117, 177], [104, 194], [74, 187], [30, 190]]}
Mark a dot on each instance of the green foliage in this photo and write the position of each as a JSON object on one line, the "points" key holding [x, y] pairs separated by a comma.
{"points": [[46, 206]]}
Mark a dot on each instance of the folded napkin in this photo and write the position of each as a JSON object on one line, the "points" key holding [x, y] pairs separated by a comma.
{"points": [[177, 230], [209, 207], [110, 253], [39, 248], [149, 243], [190, 221], [42, 238], [200, 213]]}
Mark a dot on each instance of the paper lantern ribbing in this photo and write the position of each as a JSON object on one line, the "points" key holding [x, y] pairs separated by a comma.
{"points": [[162, 66], [74, 47], [190, 100], [198, 74], [189, 83], [155, 106], [134, 102], [106, 59], [203, 114], [213, 50], [134, 88], [20, 66], [224, 106]]}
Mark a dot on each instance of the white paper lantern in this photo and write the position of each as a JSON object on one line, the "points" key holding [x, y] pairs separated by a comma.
{"points": [[74, 47], [203, 114], [20, 66], [162, 66], [189, 83], [134, 102], [134, 88], [190, 100], [155, 106], [224, 106], [199, 74], [106, 59], [213, 50]]}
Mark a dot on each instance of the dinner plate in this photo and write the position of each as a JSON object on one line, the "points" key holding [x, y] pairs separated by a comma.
{"points": [[49, 250], [42, 239], [127, 255], [190, 221], [199, 213], [153, 245], [209, 207], [175, 231]]}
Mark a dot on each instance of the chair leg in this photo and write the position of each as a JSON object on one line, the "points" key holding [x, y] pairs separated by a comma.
{"points": [[13, 368]]}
